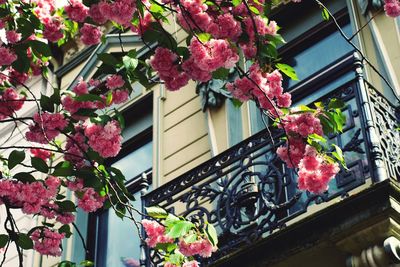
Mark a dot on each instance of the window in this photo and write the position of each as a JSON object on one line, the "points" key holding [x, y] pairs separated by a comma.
{"points": [[105, 228], [312, 44]]}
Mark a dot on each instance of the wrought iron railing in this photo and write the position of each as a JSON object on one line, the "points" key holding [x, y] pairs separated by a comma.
{"points": [[247, 192]]}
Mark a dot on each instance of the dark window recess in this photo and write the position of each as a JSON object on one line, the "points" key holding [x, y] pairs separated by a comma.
{"points": [[105, 229]]}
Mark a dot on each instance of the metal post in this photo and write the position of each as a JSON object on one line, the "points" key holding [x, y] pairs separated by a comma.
{"points": [[379, 172]]}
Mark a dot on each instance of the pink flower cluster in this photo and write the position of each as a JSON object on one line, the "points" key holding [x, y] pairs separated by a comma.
{"points": [[75, 148], [13, 37], [88, 199], [106, 140], [76, 11], [314, 173], [47, 127], [114, 82], [164, 62], [155, 233], [10, 102], [7, 57], [119, 11], [266, 88], [90, 35], [47, 242], [41, 153], [35, 198], [392, 8], [212, 55], [52, 29], [303, 124], [202, 247]]}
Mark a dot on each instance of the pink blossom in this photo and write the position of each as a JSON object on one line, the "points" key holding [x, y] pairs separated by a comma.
{"points": [[164, 62], [202, 247], [155, 233], [65, 218], [96, 15], [41, 153], [303, 124], [75, 147], [90, 35], [284, 100], [47, 242], [47, 126], [106, 140], [81, 87], [91, 200], [294, 154], [225, 26], [9, 103], [72, 106], [120, 11], [17, 78], [392, 8], [213, 55], [52, 29], [120, 96], [13, 37], [115, 81], [7, 57], [76, 11]]}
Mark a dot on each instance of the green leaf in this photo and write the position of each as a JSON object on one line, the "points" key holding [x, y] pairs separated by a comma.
{"points": [[236, 2], [167, 247], [316, 138], [204, 37], [254, 10], [171, 220], [86, 263], [183, 52], [176, 259], [236, 103], [39, 164], [212, 234], [67, 264], [24, 241], [46, 103], [157, 212], [25, 177], [65, 229], [40, 48], [325, 14], [180, 229], [4, 240], [108, 59], [338, 153], [15, 158], [130, 63], [220, 73], [288, 70], [88, 97], [190, 238], [64, 168], [66, 206], [336, 103]]}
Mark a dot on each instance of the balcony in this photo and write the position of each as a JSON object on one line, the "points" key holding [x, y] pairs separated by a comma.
{"points": [[250, 196]]}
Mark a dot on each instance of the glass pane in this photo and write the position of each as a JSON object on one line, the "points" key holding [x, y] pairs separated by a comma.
{"points": [[136, 162], [319, 55], [118, 240]]}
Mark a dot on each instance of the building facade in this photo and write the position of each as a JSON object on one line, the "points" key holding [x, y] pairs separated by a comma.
{"points": [[195, 153]]}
